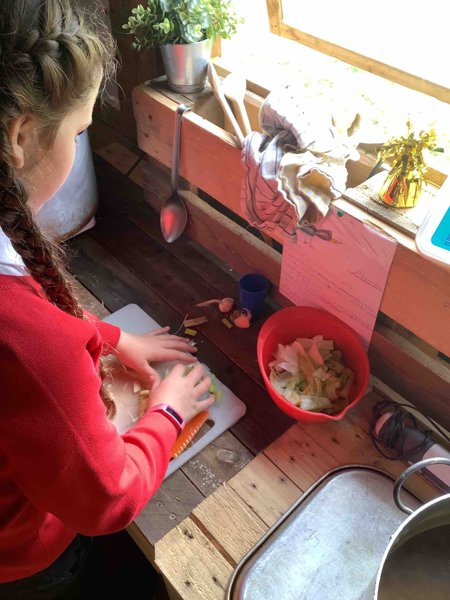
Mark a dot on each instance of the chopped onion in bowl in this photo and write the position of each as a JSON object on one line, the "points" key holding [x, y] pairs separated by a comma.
{"points": [[310, 374]]}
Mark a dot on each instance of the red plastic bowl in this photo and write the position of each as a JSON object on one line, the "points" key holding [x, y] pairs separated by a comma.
{"points": [[288, 324]]}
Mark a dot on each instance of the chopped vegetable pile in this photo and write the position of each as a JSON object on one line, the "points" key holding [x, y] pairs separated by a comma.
{"points": [[144, 393], [310, 374]]}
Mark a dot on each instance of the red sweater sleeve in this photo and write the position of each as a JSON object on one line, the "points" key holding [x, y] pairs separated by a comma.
{"points": [[54, 436], [110, 334]]}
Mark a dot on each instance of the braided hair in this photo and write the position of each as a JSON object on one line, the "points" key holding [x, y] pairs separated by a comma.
{"points": [[51, 55]]}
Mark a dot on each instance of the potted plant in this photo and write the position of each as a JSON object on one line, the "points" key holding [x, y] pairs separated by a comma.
{"points": [[183, 29]]}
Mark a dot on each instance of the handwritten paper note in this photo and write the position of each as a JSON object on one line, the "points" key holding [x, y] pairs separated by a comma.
{"points": [[341, 265]]}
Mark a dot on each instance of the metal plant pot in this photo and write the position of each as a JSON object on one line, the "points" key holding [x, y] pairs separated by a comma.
{"points": [[186, 65]]}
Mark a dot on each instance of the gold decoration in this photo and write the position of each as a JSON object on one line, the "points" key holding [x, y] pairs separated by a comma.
{"points": [[403, 184]]}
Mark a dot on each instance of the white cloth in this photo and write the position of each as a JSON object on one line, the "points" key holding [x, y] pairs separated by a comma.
{"points": [[296, 167], [10, 262]]}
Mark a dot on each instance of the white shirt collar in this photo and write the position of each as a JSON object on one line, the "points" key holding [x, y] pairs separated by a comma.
{"points": [[10, 262]]}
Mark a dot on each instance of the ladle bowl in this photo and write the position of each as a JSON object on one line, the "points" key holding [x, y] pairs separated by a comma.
{"points": [[173, 217]]}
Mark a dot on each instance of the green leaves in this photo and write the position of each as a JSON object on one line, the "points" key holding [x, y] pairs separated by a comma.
{"points": [[181, 22], [192, 33], [165, 27]]}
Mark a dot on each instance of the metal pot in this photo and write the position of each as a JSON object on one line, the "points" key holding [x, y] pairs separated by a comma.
{"points": [[416, 563], [186, 65]]}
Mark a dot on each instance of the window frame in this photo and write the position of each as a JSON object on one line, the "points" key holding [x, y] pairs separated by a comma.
{"points": [[279, 27]]}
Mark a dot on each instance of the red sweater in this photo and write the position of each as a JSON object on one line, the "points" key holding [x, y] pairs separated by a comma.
{"points": [[63, 467]]}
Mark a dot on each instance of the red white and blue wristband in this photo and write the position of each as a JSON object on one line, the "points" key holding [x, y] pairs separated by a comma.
{"points": [[171, 414]]}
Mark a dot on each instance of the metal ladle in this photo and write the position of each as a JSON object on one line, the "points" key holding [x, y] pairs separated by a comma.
{"points": [[173, 216]]}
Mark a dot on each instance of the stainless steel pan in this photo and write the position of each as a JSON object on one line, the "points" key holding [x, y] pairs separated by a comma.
{"points": [[416, 563]]}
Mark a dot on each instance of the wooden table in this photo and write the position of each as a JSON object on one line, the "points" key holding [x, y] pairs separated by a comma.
{"points": [[209, 513]]}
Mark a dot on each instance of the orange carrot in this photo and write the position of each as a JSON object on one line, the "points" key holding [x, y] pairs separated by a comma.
{"points": [[189, 432]]}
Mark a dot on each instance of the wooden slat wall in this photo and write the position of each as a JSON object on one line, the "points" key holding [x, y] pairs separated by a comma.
{"points": [[204, 151], [417, 292]]}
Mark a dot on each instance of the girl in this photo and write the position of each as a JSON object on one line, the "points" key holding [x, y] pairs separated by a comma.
{"points": [[64, 470]]}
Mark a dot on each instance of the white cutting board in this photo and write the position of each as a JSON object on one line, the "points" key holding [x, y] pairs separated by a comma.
{"points": [[223, 415]]}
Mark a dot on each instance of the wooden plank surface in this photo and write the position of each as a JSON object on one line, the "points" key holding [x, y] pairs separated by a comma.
{"points": [[155, 120], [118, 156], [217, 463], [300, 457], [89, 302], [170, 505], [406, 220], [126, 200], [197, 570], [235, 246], [265, 488], [417, 295], [230, 522]]}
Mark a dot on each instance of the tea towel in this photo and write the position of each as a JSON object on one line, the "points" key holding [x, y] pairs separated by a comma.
{"points": [[296, 167]]}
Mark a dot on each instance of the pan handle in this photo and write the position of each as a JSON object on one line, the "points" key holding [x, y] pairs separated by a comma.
{"points": [[409, 471]]}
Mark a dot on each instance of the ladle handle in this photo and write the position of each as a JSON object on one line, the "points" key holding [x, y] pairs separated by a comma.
{"points": [[438, 460], [176, 146]]}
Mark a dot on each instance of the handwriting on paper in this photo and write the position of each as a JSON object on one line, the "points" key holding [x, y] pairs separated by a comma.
{"points": [[340, 265]]}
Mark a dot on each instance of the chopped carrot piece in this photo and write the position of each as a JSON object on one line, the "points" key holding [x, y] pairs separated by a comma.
{"points": [[189, 432]]}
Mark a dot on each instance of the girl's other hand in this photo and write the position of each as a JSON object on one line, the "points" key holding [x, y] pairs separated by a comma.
{"points": [[137, 351], [183, 391]]}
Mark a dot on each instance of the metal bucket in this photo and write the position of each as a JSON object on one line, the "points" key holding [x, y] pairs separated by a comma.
{"points": [[72, 209], [186, 65], [416, 563]]}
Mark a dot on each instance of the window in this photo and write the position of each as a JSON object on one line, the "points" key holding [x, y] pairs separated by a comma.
{"points": [[270, 59], [403, 42]]}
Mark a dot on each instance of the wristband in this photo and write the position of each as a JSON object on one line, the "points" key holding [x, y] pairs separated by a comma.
{"points": [[171, 414]]}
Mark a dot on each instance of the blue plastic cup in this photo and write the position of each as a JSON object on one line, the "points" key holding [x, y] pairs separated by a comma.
{"points": [[253, 289]]}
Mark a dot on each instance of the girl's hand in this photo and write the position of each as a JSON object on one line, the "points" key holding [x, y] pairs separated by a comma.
{"points": [[136, 351], [182, 392]]}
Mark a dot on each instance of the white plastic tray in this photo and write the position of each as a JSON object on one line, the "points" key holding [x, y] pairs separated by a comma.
{"points": [[222, 416]]}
